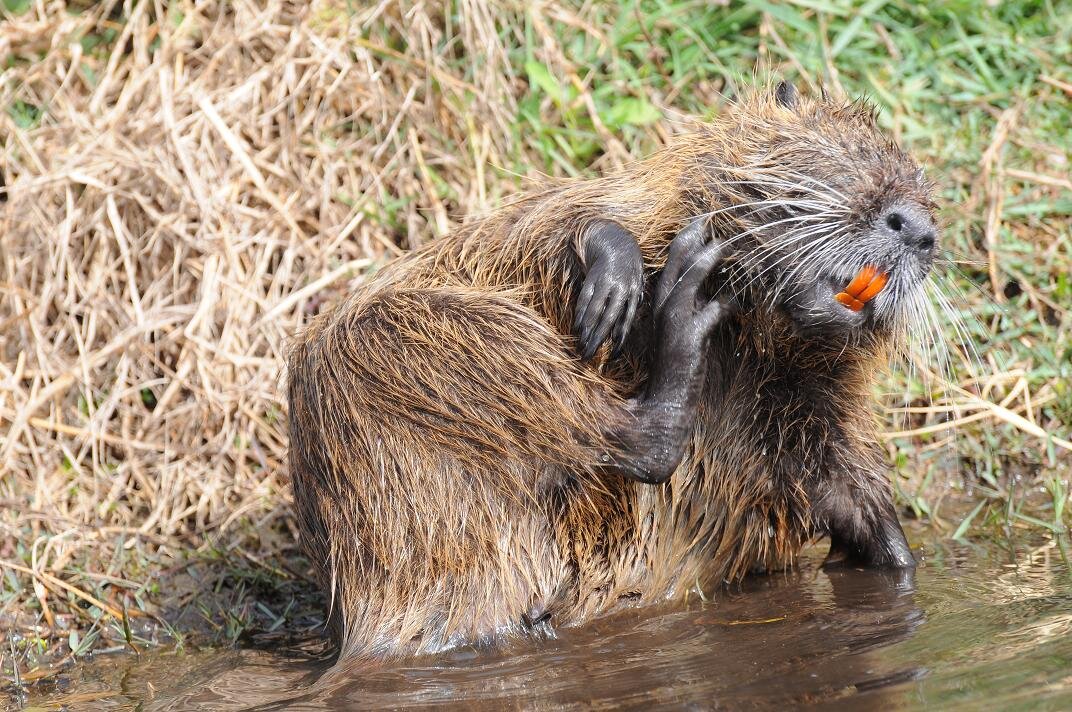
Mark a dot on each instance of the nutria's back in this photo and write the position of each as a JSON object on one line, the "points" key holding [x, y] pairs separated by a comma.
{"points": [[462, 475]]}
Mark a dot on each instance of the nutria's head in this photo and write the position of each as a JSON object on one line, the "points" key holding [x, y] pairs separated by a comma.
{"points": [[828, 220]]}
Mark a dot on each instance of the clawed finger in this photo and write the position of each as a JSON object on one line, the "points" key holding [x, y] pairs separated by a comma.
{"points": [[701, 262], [687, 239], [607, 320], [583, 301], [621, 333], [698, 265], [684, 243], [715, 312], [593, 317]]}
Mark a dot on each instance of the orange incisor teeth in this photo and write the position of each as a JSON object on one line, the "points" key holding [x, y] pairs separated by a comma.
{"points": [[850, 301], [863, 288], [860, 282], [872, 290]]}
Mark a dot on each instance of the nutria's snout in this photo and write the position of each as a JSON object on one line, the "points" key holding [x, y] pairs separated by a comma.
{"points": [[832, 222], [910, 228], [877, 284]]}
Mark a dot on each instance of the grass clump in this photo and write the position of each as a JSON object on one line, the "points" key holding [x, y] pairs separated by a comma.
{"points": [[184, 184]]}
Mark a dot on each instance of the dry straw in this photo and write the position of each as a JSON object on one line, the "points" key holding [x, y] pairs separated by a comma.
{"points": [[179, 199]]}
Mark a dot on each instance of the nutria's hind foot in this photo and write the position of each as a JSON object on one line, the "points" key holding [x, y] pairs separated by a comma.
{"points": [[612, 290], [864, 531], [653, 443], [886, 549]]}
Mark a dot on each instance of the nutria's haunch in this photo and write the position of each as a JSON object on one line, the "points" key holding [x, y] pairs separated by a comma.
{"points": [[616, 391]]}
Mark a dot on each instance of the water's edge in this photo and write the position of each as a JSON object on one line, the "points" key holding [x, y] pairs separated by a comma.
{"points": [[976, 624]]}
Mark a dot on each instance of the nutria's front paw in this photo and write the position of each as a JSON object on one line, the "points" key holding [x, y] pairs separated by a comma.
{"points": [[665, 413], [683, 316], [612, 290]]}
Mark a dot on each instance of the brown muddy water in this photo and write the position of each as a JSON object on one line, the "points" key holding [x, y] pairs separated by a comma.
{"points": [[978, 626]]}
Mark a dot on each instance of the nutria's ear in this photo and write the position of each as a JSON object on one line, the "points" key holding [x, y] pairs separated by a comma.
{"points": [[786, 95]]}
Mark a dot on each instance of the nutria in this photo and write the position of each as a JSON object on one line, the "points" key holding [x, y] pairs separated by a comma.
{"points": [[615, 391]]}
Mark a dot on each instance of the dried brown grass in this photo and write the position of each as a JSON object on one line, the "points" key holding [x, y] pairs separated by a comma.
{"points": [[188, 198]]}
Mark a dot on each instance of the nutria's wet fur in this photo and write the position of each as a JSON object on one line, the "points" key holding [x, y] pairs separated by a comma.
{"points": [[449, 446]]}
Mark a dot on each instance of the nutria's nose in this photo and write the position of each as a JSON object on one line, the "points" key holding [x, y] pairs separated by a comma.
{"points": [[913, 226]]}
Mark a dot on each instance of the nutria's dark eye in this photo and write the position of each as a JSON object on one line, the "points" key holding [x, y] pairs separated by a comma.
{"points": [[895, 221]]}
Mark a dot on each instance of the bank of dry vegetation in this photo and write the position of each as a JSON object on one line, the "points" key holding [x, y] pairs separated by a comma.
{"points": [[186, 183]]}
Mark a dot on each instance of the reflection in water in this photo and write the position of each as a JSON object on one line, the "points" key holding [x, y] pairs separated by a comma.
{"points": [[975, 626]]}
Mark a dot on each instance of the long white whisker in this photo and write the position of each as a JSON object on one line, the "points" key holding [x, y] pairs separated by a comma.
{"points": [[789, 187], [762, 204], [831, 245], [782, 170], [834, 245], [752, 230], [800, 250]]}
